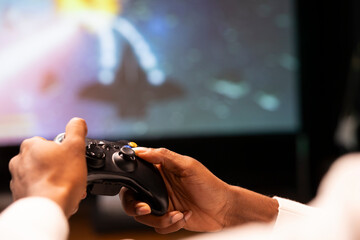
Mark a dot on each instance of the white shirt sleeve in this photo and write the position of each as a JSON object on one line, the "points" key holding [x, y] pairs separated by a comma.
{"points": [[334, 214], [34, 218], [290, 210]]}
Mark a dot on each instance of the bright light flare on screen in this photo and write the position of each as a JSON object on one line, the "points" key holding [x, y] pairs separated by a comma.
{"points": [[101, 17], [27, 51], [75, 6], [95, 14]]}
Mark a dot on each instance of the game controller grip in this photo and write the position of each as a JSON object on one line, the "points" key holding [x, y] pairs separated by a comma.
{"points": [[112, 165], [154, 194]]}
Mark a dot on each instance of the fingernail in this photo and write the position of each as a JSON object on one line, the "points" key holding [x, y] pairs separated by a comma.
{"points": [[177, 217], [187, 215], [144, 210], [139, 150], [84, 195], [75, 210]]}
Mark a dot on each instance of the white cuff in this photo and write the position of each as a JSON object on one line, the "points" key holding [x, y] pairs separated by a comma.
{"points": [[290, 210], [34, 218]]}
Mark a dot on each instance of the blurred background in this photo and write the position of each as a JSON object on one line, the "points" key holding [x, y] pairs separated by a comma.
{"points": [[265, 94]]}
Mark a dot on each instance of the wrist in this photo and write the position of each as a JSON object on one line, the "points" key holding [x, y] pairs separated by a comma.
{"points": [[65, 196], [248, 206]]}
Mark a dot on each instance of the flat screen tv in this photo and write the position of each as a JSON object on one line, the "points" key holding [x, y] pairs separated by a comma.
{"points": [[148, 69]]}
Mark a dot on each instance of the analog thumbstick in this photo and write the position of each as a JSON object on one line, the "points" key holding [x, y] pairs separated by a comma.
{"points": [[95, 156], [125, 159]]}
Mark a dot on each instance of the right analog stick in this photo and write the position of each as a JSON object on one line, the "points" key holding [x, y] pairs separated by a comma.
{"points": [[125, 159]]}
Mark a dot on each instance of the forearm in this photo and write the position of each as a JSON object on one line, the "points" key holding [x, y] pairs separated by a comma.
{"points": [[248, 206]]}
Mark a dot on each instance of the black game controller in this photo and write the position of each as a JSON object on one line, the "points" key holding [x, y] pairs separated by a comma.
{"points": [[112, 165]]}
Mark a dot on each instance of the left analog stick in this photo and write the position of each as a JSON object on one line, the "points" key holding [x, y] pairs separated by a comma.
{"points": [[95, 156]]}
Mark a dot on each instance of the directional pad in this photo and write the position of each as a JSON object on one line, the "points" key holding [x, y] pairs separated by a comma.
{"points": [[95, 155]]}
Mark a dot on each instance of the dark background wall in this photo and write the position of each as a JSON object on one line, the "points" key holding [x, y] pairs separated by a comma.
{"points": [[329, 33]]}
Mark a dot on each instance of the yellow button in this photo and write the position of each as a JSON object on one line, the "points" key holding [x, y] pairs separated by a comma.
{"points": [[132, 144]]}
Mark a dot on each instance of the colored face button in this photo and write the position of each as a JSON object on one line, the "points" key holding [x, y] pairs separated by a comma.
{"points": [[133, 144]]}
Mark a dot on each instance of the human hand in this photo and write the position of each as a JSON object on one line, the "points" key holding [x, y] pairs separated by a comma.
{"points": [[53, 170], [198, 200]]}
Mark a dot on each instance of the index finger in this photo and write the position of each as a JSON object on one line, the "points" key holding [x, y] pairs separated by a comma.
{"points": [[76, 131], [168, 159]]}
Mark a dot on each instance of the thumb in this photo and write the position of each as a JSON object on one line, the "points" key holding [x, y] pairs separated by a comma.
{"points": [[76, 131]]}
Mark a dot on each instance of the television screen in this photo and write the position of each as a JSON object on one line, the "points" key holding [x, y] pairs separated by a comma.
{"points": [[147, 69]]}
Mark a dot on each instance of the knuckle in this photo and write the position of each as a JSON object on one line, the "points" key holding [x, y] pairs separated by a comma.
{"points": [[12, 164], [11, 186], [190, 165], [163, 151], [33, 140], [191, 162], [27, 143], [11, 168], [168, 154]]}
